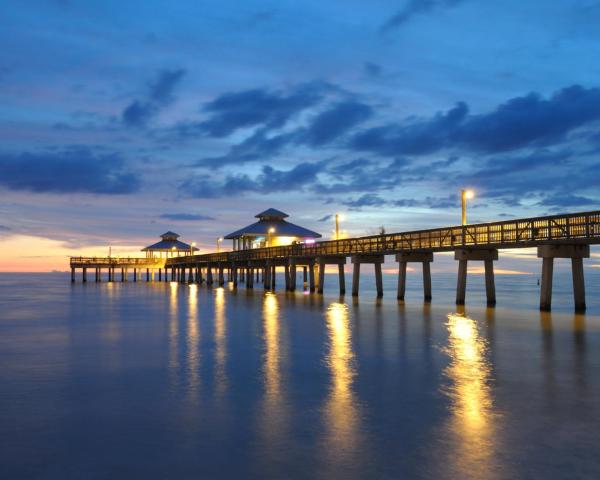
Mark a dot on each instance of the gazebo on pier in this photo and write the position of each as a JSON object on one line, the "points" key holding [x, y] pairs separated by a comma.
{"points": [[271, 230], [170, 246]]}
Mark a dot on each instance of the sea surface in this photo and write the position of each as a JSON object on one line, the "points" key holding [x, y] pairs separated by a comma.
{"points": [[173, 381]]}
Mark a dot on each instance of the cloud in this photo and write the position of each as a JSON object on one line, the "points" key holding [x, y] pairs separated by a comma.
{"points": [[412, 138], [326, 218], [4, 230], [333, 123], [372, 69], [322, 129], [567, 200], [413, 8], [185, 217], [74, 169], [257, 107], [259, 146], [527, 121], [366, 200], [160, 94], [270, 180]]}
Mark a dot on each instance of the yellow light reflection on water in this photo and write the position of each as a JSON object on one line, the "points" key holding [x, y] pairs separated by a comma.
{"points": [[341, 413], [173, 334], [274, 412], [220, 335], [271, 339], [473, 419], [193, 337]]}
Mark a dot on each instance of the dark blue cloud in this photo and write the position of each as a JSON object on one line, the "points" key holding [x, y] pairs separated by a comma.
{"points": [[160, 94], [528, 121], [326, 127], [326, 218], [270, 180], [372, 69], [568, 200], [531, 120], [259, 146], [366, 200], [257, 107], [185, 217], [414, 137], [76, 169], [333, 123], [413, 8]]}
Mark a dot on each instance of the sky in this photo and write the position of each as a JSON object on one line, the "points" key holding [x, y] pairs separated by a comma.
{"points": [[122, 120]]}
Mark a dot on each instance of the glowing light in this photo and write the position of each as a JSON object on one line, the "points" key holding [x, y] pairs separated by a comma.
{"points": [[471, 399], [341, 412], [274, 409], [193, 344], [309, 241], [469, 194], [220, 344], [173, 334], [271, 230]]}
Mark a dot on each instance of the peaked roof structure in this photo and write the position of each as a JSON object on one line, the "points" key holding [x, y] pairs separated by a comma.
{"points": [[271, 213], [169, 243], [273, 219]]}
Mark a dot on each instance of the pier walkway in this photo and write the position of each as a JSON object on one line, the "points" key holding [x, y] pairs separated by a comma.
{"points": [[557, 236]]}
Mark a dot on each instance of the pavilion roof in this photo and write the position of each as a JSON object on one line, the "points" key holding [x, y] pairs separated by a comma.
{"points": [[282, 229], [167, 245], [271, 213]]}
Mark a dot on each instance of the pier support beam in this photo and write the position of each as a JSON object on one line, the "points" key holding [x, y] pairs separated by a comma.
{"points": [[221, 277], [72, 275], [250, 278], [333, 260], [376, 260], [425, 258], [487, 256], [292, 274], [84, 275], [209, 275], [576, 253]]}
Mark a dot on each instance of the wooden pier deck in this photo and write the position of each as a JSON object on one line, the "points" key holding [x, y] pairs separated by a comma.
{"points": [[558, 236]]}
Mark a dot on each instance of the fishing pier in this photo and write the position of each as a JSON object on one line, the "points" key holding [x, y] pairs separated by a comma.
{"points": [[558, 236]]}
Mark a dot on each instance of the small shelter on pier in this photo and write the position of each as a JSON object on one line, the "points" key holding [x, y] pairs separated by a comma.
{"points": [[271, 230], [170, 246]]}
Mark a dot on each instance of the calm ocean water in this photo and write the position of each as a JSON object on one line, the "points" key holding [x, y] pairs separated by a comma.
{"points": [[167, 381]]}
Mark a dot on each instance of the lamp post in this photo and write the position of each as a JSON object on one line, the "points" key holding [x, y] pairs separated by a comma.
{"points": [[270, 232], [192, 248], [173, 248], [464, 196], [219, 240]]}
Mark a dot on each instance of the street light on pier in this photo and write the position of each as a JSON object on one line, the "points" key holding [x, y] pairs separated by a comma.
{"points": [[464, 196], [219, 240], [192, 246]]}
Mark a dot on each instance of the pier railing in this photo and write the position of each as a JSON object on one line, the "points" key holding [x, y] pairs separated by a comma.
{"points": [[528, 232], [116, 262]]}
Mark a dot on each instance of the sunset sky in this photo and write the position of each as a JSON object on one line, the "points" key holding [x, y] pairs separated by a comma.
{"points": [[122, 120]]}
